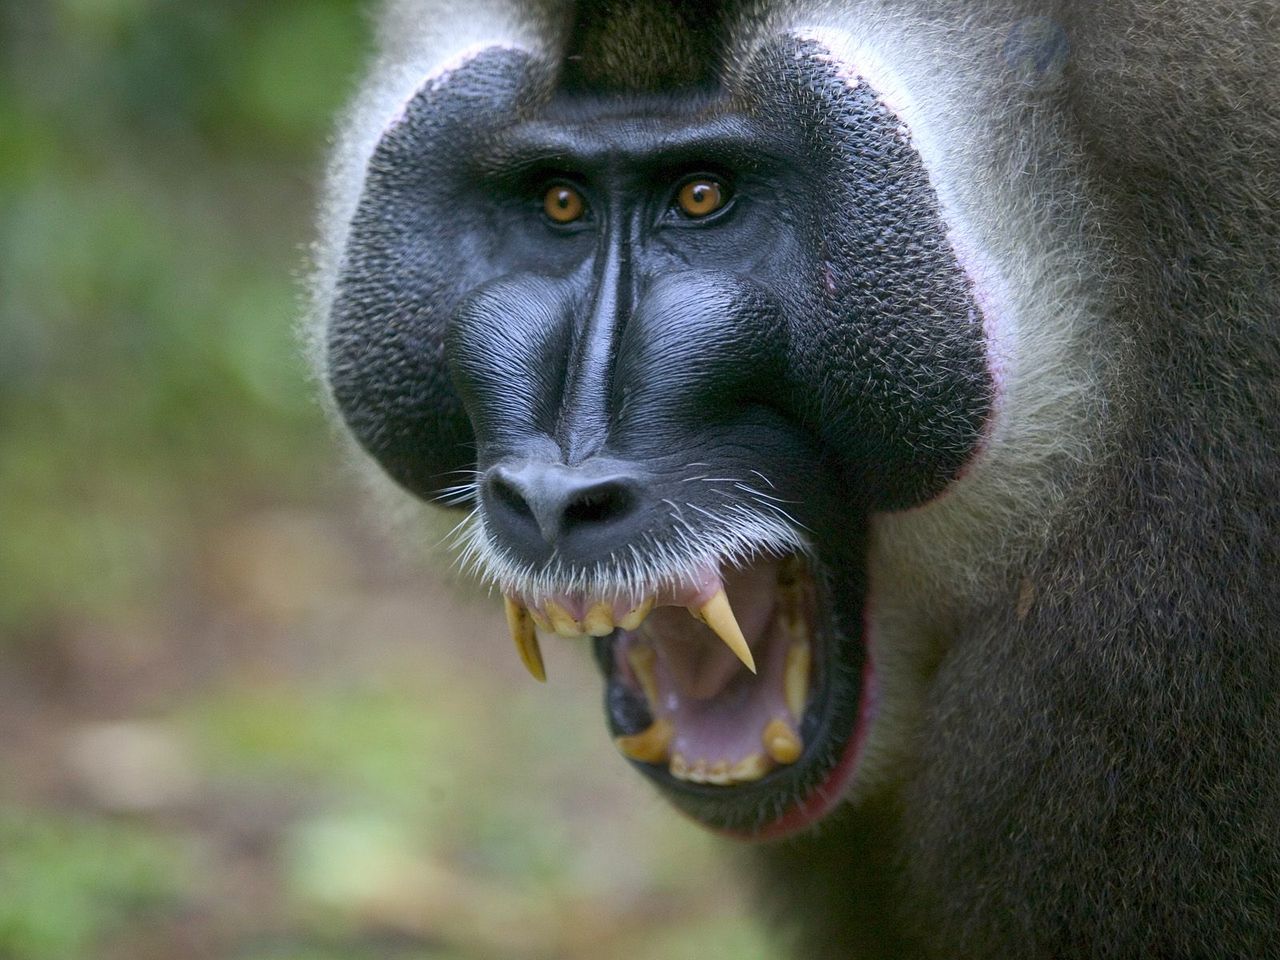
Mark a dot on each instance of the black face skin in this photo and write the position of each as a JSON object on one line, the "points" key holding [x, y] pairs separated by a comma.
{"points": [[815, 330]]}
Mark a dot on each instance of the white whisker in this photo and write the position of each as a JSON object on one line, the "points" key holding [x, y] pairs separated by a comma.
{"points": [[733, 535]]}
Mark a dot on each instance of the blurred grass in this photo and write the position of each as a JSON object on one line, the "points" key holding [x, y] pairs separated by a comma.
{"points": [[150, 153], [231, 724], [65, 881]]}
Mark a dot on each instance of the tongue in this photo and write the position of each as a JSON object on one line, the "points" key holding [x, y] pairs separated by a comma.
{"points": [[718, 709]]}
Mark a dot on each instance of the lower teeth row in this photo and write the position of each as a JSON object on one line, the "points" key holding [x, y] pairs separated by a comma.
{"points": [[780, 740]]}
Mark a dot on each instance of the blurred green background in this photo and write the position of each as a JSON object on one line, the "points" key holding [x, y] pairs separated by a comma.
{"points": [[234, 721]]}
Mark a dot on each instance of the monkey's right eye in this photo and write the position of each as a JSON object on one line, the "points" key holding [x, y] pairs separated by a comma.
{"points": [[563, 204]]}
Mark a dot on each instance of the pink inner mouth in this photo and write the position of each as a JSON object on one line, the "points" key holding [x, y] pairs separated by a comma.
{"points": [[687, 701], [719, 709], [712, 720], [695, 661]]}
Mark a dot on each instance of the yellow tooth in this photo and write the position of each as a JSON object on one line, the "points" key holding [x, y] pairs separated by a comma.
{"points": [[561, 622], [718, 615], [642, 660], [791, 604], [599, 620], [781, 742], [521, 626], [749, 768], [679, 767], [718, 773], [795, 677], [650, 745], [540, 619], [636, 615]]}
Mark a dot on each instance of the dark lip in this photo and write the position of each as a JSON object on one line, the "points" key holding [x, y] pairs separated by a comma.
{"points": [[777, 803]]}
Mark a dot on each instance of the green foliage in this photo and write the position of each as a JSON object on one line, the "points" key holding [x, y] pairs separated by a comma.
{"points": [[66, 882], [376, 747], [718, 937], [386, 771], [156, 161], [346, 952]]}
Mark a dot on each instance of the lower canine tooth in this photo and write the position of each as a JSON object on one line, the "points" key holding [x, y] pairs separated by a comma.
{"points": [[561, 622], [791, 605], [650, 745], [781, 742], [795, 677], [599, 620], [520, 623], [718, 615]]}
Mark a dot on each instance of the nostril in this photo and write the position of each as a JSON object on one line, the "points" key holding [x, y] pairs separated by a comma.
{"points": [[598, 504], [508, 495], [547, 504]]}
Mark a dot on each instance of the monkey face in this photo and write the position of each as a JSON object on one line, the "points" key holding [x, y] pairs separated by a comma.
{"points": [[675, 352]]}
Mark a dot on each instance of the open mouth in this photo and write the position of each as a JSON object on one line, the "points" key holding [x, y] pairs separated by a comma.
{"points": [[733, 689]]}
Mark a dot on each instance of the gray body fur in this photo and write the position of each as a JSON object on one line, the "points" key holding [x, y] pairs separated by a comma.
{"points": [[1079, 750]]}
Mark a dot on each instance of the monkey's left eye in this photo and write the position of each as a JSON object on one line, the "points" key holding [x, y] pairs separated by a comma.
{"points": [[563, 204], [701, 197]]}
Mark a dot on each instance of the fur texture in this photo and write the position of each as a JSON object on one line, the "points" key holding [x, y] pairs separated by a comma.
{"points": [[1079, 753]]}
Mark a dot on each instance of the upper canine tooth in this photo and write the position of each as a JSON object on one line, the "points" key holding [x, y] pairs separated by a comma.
{"points": [[561, 622], [599, 620], [718, 615], [636, 615], [520, 623]]}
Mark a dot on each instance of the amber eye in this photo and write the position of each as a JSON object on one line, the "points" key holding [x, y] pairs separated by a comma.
{"points": [[563, 204], [701, 197]]}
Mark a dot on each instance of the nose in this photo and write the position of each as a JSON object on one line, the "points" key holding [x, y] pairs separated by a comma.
{"points": [[582, 511]]}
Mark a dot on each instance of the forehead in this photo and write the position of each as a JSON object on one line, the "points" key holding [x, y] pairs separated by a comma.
{"points": [[642, 138], [505, 112]]}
